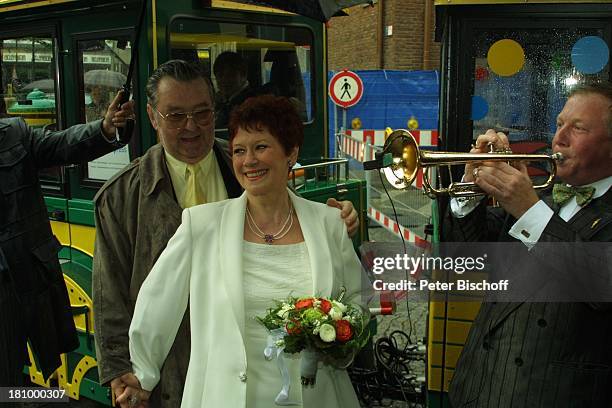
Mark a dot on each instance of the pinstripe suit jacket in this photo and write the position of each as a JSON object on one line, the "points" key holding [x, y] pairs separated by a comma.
{"points": [[536, 354]]}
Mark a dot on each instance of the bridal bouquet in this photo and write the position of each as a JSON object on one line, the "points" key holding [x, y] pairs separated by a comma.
{"points": [[322, 329]]}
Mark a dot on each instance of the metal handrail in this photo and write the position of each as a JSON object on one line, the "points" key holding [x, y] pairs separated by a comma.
{"points": [[324, 163]]}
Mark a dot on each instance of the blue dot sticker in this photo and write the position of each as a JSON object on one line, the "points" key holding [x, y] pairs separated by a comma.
{"points": [[480, 107], [590, 54]]}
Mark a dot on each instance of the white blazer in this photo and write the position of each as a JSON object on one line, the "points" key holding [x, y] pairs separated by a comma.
{"points": [[202, 264]]}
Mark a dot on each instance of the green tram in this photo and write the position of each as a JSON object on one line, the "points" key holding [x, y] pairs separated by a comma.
{"points": [[62, 61], [508, 65]]}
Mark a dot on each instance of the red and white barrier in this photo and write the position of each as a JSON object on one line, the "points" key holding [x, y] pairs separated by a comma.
{"points": [[378, 137], [375, 137], [354, 144], [393, 227]]}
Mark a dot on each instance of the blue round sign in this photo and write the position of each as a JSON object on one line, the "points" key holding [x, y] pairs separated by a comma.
{"points": [[480, 107], [590, 54]]}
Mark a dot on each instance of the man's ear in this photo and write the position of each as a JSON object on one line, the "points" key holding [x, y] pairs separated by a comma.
{"points": [[151, 114], [293, 156]]}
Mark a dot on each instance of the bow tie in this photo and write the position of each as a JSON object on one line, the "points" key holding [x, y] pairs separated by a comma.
{"points": [[562, 193]]}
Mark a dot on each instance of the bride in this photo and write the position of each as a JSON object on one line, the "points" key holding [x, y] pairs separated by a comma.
{"points": [[228, 261]]}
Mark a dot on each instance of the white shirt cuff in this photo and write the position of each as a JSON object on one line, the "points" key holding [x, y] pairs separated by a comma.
{"points": [[531, 225]]}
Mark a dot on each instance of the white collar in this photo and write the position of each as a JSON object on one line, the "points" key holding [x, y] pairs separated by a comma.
{"points": [[601, 186]]}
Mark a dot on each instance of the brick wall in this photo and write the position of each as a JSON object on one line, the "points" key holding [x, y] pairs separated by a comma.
{"points": [[352, 40]]}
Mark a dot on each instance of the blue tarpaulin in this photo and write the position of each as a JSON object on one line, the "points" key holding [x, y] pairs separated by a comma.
{"points": [[390, 99]]}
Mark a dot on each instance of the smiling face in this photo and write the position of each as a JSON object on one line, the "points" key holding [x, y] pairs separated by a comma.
{"points": [[584, 139], [260, 162], [193, 142]]}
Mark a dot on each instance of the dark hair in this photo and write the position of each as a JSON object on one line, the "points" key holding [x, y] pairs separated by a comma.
{"points": [[179, 70], [599, 88], [232, 60], [276, 114]]}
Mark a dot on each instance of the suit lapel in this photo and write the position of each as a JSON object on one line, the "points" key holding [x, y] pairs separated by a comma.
{"points": [[318, 250], [231, 238], [232, 186], [594, 216]]}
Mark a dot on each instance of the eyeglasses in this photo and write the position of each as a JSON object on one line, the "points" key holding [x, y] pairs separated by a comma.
{"points": [[178, 120]]}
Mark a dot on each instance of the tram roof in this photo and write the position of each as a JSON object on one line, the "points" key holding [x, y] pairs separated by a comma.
{"points": [[494, 2]]}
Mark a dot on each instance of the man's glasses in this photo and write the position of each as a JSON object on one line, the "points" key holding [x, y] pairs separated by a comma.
{"points": [[178, 120]]}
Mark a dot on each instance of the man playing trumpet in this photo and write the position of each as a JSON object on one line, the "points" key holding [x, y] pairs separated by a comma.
{"points": [[541, 354]]}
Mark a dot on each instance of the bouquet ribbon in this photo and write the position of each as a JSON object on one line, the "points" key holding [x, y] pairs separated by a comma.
{"points": [[309, 365], [272, 351]]}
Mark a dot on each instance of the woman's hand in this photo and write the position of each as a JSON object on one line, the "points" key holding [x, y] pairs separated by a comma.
{"points": [[132, 395]]}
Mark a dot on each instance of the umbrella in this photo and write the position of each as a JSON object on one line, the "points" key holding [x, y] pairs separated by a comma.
{"points": [[102, 77], [45, 85], [321, 10]]}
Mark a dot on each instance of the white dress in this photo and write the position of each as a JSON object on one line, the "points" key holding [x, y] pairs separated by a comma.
{"points": [[273, 272], [203, 268]]}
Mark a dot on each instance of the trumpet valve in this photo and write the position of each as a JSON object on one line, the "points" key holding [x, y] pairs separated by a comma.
{"points": [[501, 150]]}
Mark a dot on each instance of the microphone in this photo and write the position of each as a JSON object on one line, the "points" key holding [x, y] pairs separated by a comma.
{"points": [[382, 160]]}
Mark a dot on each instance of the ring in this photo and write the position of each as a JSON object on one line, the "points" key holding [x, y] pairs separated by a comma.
{"points": [[475, 172], [133, 400]]}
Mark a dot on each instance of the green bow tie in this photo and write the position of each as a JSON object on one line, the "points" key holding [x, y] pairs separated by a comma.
{"points": [[562, 193]]}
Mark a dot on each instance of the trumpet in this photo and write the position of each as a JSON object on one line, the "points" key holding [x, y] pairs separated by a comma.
{"points": [[401, 154]]}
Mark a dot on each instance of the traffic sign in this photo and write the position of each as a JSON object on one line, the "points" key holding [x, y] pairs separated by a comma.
{"points": [[345, 88]]}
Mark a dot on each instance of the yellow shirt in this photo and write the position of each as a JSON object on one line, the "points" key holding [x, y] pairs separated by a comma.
{"points": [[209, 178]]}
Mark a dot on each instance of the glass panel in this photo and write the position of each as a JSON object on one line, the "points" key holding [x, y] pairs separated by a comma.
{"points": [[104, 65], [28, 85], [248, 59], [524, 99]]}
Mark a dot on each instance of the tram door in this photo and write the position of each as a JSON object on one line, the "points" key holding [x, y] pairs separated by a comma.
{"points": [[506, 65]]}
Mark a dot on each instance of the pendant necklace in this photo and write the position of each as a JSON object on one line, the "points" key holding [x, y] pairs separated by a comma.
{"points": [[270, 238]]}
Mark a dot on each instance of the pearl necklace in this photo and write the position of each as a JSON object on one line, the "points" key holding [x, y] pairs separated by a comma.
{"points": [[270, 238]]}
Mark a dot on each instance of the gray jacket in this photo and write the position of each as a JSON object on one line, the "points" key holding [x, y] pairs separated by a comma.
{"points": [[136, 214]]}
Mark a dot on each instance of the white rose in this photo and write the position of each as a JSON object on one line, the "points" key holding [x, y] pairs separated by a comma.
{"points": [[327, 333], [335, 313], [284, 311], [340, 306]]}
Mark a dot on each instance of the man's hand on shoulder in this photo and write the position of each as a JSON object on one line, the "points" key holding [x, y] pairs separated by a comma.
{"points": [[348, 213]]}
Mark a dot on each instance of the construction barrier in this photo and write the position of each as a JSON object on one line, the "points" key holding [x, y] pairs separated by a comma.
{"points": [[414, 209]]}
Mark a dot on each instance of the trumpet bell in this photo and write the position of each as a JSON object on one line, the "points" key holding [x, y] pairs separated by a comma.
{"points": [[405, 158]]}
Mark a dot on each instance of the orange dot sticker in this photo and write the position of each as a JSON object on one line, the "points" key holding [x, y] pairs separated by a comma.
{"points": [[506, 57]]}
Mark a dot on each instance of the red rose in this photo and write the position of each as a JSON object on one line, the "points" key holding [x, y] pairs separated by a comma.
{"points": [[303, 304], [293, 327], [325, 305], [344, 331]]}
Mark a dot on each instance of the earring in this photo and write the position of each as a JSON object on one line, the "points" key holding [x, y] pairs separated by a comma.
{"points": [[289, 163]]}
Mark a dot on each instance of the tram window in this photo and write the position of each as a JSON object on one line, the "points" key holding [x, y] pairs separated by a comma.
{"points": [[28, 85], [248, 59], [103, 66], [524, 98]]}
